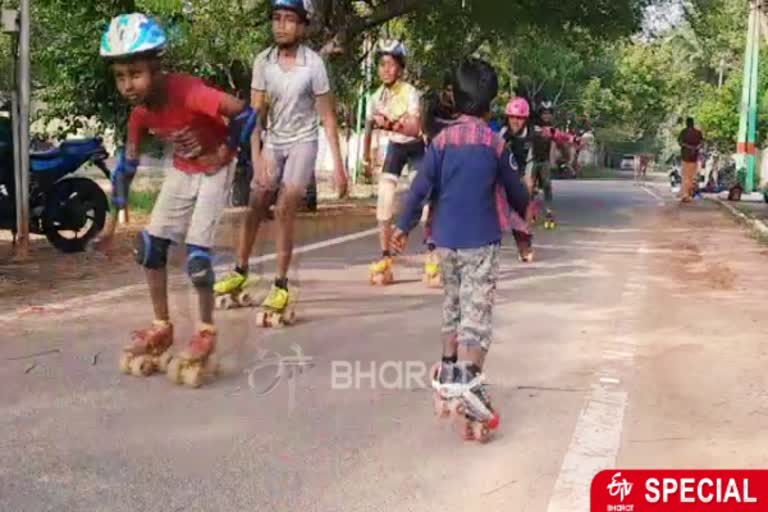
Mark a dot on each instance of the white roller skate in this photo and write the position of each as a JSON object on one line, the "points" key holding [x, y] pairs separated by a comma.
{"points": [[196, 363], [149, 351], [464, 396]]}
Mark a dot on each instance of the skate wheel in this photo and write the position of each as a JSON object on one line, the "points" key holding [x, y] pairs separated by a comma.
{"points": [[141, 366], [262, 319], [192, 375], [467, 432], [245, 299], [174, 370], [441, 407], [224, 302], [125, 363], [164, 360], [456, 408], [481, 433], [212, 365]]}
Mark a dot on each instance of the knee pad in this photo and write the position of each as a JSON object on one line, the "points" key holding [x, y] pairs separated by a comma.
{"points": [[386, 202], [151, 251], [200, 266]]}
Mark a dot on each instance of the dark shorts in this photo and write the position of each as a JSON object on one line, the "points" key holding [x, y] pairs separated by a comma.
{"points": [[400, 154]]}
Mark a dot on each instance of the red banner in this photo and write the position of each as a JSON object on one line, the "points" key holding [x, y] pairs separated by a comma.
{"points": [[619, 490]]}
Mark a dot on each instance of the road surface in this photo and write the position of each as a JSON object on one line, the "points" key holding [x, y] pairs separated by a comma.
{"points": [[634, 340]]}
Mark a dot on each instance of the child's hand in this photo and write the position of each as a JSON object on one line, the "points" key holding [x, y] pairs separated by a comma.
{"points": [[103, 242], [399, 241]]}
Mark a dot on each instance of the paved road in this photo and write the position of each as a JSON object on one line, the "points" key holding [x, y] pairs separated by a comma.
{"points": [[634, 340]]}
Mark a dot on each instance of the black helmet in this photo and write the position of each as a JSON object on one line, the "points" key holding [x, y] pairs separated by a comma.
{"points": [[475, 85]]}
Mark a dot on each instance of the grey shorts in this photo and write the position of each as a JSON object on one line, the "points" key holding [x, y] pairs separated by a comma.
{"points": [[189, 206], [293, 166], [469, 285]]}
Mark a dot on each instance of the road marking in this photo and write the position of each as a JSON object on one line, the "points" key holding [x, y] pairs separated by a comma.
{"points": [[81, 304], [597, 437], [652, 193]]}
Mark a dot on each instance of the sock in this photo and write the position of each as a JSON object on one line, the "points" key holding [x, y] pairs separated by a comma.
{"points": [[386, 254], [162, 323], [282, 282], [242, 271]]}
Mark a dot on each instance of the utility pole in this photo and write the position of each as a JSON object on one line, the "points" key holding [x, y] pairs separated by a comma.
{"points": [[746, 149], [23, 124]]}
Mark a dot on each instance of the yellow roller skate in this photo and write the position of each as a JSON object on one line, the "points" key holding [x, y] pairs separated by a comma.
{"points": [[549, 220], [433, 276], [277, 310], [234, 290], [149, 351], [380, 272], [196, 363]]}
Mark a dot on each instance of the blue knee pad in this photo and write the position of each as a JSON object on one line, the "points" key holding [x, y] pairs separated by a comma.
{"points": [[151, 251], [200, 266]]}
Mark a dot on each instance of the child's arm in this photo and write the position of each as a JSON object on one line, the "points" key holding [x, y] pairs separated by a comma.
{"points": [[421, 190], [326, 107], [517, 192]]}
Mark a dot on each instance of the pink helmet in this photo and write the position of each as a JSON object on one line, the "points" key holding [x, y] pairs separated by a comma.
{"points": [[518, 107]]}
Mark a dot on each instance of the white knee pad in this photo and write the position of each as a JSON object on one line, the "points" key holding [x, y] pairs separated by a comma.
{"points": [[386, 203]]}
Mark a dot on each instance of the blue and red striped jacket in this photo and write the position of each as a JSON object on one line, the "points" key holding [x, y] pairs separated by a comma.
{"points": [[460, 174]]}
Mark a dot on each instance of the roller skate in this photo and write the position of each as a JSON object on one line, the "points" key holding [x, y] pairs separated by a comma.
{"points": [[549, 220], [524, 248], [277, 310], [433, 277], [462, 394], [232, 291], [197, 363], [380, 272], [149, 351]]}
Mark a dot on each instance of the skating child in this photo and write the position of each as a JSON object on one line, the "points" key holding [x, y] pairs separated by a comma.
{"points": [[461, 171], [294, 80], [175, 107], [517, 135], [393, 108]]}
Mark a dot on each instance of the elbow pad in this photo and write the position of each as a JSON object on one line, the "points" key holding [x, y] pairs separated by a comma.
{"points": [[241, 128], [122, 177]]}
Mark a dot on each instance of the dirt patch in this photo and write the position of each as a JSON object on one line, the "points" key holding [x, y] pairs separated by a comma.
{"points": [[49, 275]]}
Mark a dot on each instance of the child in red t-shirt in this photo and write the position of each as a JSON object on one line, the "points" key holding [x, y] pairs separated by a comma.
{"points": [[182, 110]]}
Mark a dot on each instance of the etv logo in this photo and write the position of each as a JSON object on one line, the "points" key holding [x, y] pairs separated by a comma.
{"points": [[619, 488]]}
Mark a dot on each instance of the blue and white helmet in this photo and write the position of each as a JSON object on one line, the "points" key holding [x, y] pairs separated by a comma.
{"points": [[394, 48], [303, 8], [132, 34]]}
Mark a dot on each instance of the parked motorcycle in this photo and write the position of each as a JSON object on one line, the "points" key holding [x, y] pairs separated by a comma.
{"points": [[69, 210]]}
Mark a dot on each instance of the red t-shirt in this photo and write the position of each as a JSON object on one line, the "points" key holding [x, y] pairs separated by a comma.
{"points": [[190, 104]]}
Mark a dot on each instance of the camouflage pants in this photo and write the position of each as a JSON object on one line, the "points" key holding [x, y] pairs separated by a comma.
{"points": [[469, 283]]}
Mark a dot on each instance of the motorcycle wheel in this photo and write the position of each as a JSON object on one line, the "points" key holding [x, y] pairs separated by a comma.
{"points": [[77, 206]]}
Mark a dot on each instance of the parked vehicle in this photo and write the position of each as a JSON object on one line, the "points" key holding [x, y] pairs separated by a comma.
{"points": [[69, 210]]}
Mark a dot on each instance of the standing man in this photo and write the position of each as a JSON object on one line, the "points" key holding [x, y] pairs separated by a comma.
{"points": [[395, 108], [293, 79], [690, 140]]}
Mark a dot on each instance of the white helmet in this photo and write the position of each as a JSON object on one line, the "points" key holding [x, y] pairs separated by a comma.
{"points": [[303, 8], [132, 34], [394, 48]]}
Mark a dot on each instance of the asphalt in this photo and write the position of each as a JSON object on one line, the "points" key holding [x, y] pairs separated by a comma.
{"points": [[634, 340]]}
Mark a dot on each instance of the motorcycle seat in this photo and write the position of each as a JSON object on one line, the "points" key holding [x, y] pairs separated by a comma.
{"points": [[81, 146], [48, 154]]}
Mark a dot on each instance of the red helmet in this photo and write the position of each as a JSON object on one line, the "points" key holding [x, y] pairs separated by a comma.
{"points": [[518, 107]]}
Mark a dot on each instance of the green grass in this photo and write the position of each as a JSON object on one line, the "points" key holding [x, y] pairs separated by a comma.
{"points": [[142, 201]]}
